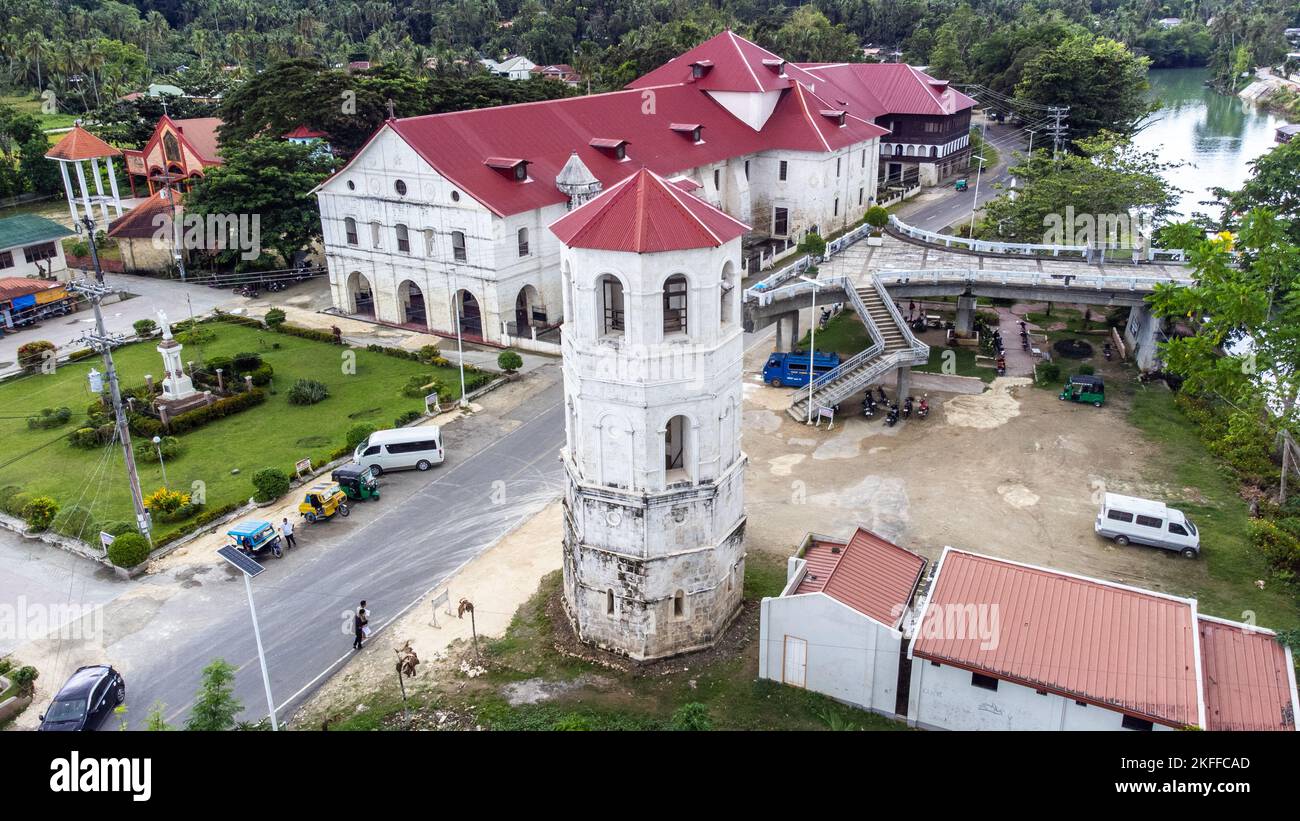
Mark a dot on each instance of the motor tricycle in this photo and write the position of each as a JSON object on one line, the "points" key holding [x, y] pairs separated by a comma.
{"points": [[254, 537], [358, 482], [322, 501]]}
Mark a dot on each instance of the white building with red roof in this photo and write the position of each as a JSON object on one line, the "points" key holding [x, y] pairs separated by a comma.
{"points": [[837, 627], [1001, 645], [654, 556], [439, 219]]}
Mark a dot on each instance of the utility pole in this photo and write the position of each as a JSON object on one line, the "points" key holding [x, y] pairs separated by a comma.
{"points": [[1058, 129], [176, 245], [103, 342]]}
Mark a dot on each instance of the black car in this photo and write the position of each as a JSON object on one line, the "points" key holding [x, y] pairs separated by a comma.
{"points": [[85, 700]]}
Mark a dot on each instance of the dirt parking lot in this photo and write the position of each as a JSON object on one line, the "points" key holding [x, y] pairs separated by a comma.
{"points": [[1012, 472]]}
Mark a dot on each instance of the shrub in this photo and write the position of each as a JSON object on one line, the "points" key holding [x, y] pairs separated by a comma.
{"points": [[247, 361], [32, 355], [75, 521], [166, 500], [813, 244], [307, 392], [196, 336], [509, 361], [128, 550], [6, 493], [25, 679], [474, 381], [197, 418], [39, 512], [1086, 370], [92, 437], [693, 716], [262, 375], [428, 353], [877, 217], [50, 418], [1048, 372], [78, 355], [1277, 543], [144, 328], [224, 363], [117, 528], [358, 433], [270, 483], [406, 419], [147, 451], [421, 385], [16, 502], [306, 333], [274, 318]]}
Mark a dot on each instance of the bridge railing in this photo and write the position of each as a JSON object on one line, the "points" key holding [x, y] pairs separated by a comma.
{"points": [[788, 272], [918, 347], [853, 362], [975, 276], [1085, 252]]}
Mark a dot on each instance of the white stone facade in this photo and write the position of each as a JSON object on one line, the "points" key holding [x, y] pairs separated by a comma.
{"points": [[654, 525], [512, 289]]}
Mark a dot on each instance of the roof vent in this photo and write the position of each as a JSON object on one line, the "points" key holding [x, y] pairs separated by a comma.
{"points": [[777, 65], [693, 130], [835, 548], [834, 114], [515, 169], [700, 67], [610, 147]]}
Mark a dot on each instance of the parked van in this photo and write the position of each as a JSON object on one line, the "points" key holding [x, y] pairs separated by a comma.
{"points": [[790, 368], [1142, 521], [418, 447]]}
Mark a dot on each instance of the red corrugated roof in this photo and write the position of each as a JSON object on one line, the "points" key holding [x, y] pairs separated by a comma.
{"points": [[1094, 641], [872, 89], [80, 144], [138, 223], [869, 574], [736, 65], [643, 214], [201, 134], [1248, 685], [14, 287], [302, 132]]}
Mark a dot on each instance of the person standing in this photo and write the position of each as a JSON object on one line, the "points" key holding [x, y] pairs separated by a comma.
{"points": [[359, 622], [286, 530]]}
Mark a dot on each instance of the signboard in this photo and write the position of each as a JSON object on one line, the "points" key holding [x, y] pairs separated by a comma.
{"points": [[826, 413], [106, 539], [302, 466], [431, 404], [443, 598]]}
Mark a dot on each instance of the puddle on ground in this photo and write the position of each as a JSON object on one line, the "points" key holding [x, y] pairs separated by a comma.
{"points": [[846, 440], [784, 465], [536, 690], [760, 421], [993, 408], [880, 504]]}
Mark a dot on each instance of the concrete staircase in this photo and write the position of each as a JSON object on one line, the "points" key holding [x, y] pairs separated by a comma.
{"points": [[893, 347]]}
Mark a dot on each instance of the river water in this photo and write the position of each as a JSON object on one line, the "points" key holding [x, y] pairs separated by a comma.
{"points": [[1217, 135]]}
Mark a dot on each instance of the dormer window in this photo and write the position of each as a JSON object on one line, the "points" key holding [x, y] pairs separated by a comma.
{"points": [[776, 65], [693, 130], [515, 169], [700, 68], [840, 117], [610, 147]]}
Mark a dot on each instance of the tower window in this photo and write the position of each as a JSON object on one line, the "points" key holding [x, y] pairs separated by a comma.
{"points": [[780, 222], [523, 242], [675, 304], [609, 602], [403, 239], [458, 246], [717, 179], [679, 604], [610, 291], [400, 188], [782, 170], [350, 228], [839, 163], [375, 235], [1133, 723], [983, 682], [675, 444]]}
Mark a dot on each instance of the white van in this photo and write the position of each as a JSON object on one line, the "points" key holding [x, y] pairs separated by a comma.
{"points": [[418, 447], [1142, 521]]}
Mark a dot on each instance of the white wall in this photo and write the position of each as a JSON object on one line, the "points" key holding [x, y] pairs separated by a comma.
{"points": [[943, 698], [850, 657], [50, 268]]}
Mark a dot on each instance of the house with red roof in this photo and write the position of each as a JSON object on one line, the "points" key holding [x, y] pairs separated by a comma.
{"points": [[179, 149], [838, 626], [1000, 645], [437, 222]]}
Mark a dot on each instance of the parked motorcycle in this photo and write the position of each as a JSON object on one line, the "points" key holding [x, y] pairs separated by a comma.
{"points": [[907, 408], [883, 399], [868, 406], [826, 317], [1106, 351], [892, 418], [923, 409]]}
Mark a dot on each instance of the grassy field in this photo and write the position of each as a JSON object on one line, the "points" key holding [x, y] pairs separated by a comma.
{"points": [[964, 363], [1209, 496], [727, 684], [275, 433], [32, 105], [844, 334]]}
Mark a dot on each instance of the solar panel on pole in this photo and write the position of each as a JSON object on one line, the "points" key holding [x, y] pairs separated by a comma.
{"points": [[236, 557]]}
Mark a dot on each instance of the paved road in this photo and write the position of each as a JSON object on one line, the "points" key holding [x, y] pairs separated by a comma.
{"points": [[955, 206], [499, 471]]}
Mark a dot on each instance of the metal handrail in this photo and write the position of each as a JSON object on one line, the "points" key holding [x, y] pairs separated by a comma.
{"points": [[1027, 248], [971, 276], [858, 358]]}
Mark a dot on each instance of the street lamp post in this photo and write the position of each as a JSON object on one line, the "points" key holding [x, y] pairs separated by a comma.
{"points": [[975, 201], [812, 344], [157, 443]]}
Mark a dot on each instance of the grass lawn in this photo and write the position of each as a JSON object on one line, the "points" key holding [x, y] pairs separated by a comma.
{"points": [[844, 334], [275, 433], [964, 363], [1218, 511], [28, 104], [728, 686]]}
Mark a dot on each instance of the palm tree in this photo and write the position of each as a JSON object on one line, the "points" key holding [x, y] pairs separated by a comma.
{"points": [[34, 47], [93, 58], [153, 31]]}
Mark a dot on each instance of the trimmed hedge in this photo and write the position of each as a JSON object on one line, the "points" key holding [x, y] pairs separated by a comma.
{"points": [[269, 484], [50, 418], [128, 550], [306, 333], [406, 419], [39, 512], [197, 418], [32, 355], [308, 392]]}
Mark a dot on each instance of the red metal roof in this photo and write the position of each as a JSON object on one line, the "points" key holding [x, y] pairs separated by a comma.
{"points": [[80, 144], [302, 132], [14, 287], [1248, 683], [138, 223], [643, 214], [873, 89], [869, 574], [737, 65], [1128, 649], [201, 134]]}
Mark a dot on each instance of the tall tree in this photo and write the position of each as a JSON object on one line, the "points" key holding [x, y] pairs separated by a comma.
{"points": [[215, 706]]}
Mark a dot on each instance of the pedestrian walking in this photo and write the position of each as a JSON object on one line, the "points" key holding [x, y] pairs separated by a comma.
{"points": [[911, 309], [286, 530], [359, 625]]}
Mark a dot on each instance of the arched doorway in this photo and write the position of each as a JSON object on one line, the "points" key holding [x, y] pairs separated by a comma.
{"points": [[527, 304], [360, 294], [410, 301], [471, 319]]}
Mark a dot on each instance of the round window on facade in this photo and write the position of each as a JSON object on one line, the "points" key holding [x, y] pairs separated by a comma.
{"points": [[455, 196], [352, 186], [401, 188]]}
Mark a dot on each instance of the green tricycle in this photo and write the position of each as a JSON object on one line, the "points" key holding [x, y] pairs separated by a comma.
{"points": [[960, 185], [357, 482], [1084, 389]]}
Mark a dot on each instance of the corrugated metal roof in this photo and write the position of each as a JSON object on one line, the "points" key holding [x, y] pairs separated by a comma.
{"points": [[1247, 683], [735, 64], [80, 144], [28, 229], [873, 89], [138, 223], [869, 574], [14, 287], [1095, 641], [643, 214]]}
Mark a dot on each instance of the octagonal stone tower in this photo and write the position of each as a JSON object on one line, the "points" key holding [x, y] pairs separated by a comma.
{"points": [[654, 504]]}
